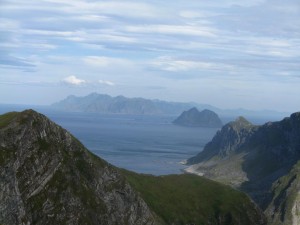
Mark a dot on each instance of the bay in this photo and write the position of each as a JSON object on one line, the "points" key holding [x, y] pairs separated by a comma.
{"points": [[141, 143]]}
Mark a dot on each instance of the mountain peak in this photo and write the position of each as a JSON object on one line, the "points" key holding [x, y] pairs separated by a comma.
{"points": [[194, 109], [295, 116], [46, 171], [258, 160], [240, 123]]}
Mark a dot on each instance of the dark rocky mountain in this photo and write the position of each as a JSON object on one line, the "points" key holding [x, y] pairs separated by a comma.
{"points": [[48, 177], [195, 118], [259, 160], [120, 105]]}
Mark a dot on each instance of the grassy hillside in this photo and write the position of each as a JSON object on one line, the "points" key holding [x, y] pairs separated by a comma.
{"points": [[6, 118], [190, 199]]}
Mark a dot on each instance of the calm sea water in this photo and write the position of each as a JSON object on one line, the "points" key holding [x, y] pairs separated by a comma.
{"points": [[145, 144]]}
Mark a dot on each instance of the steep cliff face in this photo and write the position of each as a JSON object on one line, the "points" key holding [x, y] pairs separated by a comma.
{"points": [[229, 139], [194, 118], [252, 158], [48, 177], [284, 208]]}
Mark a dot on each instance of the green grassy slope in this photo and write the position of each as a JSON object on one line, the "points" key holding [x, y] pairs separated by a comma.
{"points": [[6, 118], [190, 199]]}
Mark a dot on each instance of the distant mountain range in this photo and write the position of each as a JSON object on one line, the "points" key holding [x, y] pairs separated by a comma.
{"points": [[263, 161], [48, 177], [102, 103], [194, 118], [120, 104]]}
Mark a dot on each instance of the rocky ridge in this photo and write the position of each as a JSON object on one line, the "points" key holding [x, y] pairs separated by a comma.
{"points": [[48, 177], [256, 159]]}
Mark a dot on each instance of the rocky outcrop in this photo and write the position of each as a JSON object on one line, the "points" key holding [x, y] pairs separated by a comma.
{"points": [[230, 138], [48, 177], [284, 208], [253, 158], [194, 118]]}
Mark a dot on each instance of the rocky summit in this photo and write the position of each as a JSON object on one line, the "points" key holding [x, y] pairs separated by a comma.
{"points": [[195, 118], [262, 161], [48, 177]]}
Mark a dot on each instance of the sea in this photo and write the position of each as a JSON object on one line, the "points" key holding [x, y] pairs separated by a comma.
{"points": [[142, 143]]}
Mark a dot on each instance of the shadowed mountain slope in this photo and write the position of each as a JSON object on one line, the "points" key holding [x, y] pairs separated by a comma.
{"points": [[255, 159]]}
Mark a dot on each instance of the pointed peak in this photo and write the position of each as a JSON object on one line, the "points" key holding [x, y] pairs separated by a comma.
{"points": [[240, 122], [17, 117], [242, 119], [295, 115], [194, 109]]}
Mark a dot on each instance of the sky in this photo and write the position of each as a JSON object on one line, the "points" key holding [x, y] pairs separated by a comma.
{"points": [[229, 54]]}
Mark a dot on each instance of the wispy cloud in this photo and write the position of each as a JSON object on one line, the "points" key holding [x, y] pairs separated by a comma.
{"points": [[174, 30], [102, 61], [15, 62], [178, 65], [142, 43]]}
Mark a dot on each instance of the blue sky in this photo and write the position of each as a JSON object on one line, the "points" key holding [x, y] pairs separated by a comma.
{"points": [[230, 54]]}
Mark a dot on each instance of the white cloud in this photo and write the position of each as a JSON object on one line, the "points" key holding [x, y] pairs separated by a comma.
{"points": [[73, 80], [106, 82]]}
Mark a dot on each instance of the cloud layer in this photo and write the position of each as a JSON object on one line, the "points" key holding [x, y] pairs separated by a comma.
{"points": [[128, 46]]}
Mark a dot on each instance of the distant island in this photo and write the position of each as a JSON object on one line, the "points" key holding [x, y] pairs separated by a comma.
{"points": [[195, 118], [103, 103]]}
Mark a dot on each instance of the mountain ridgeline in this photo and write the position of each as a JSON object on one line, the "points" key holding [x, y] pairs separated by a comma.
{"points": [[262, 161], [101, 103], [48, 177], [194, 118]]}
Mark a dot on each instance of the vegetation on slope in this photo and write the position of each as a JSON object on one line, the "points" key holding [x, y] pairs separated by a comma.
{"points": [[6, 118], [190, 199]]}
